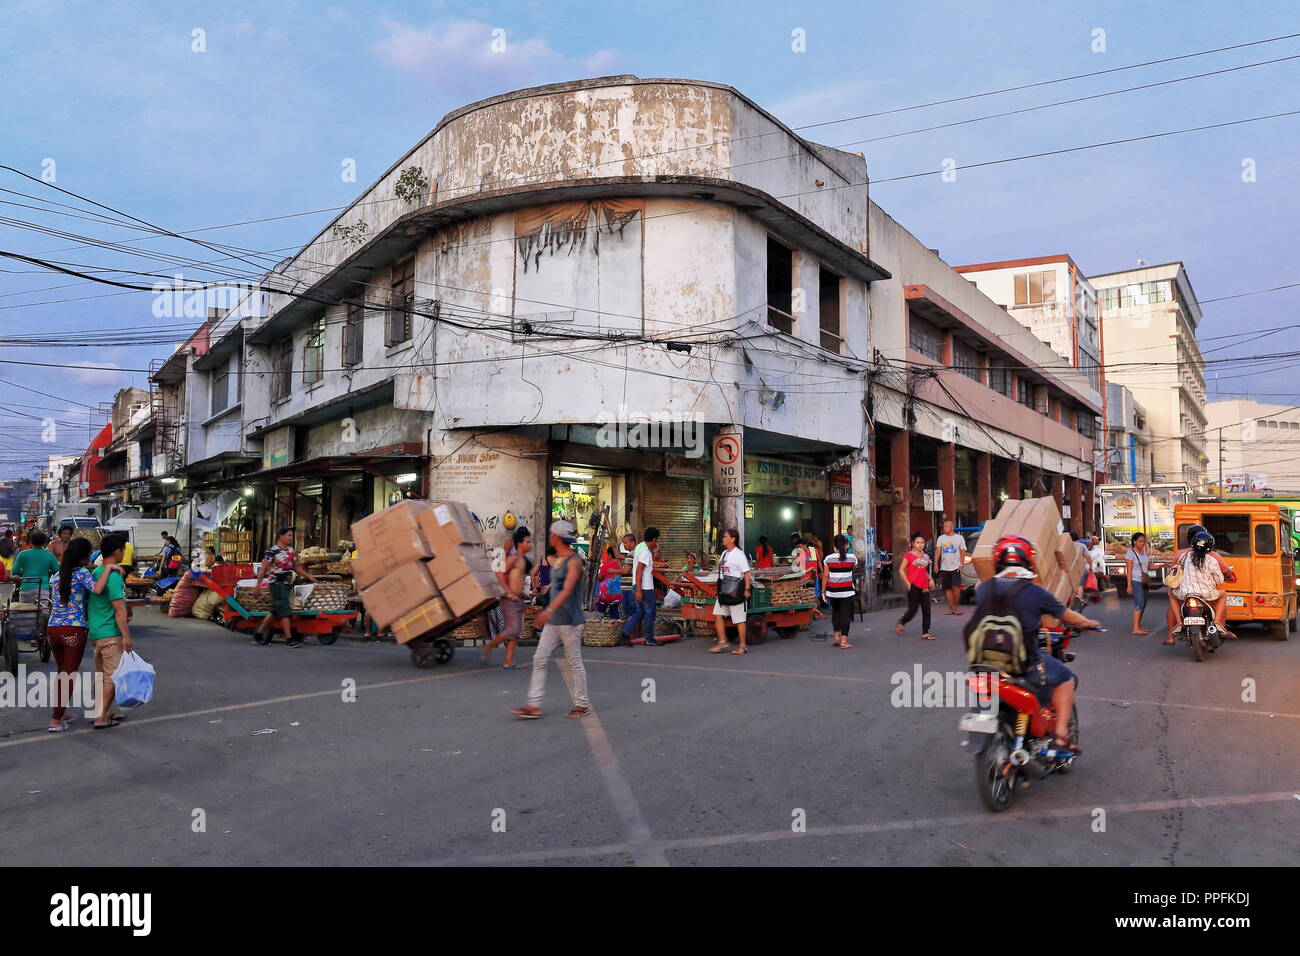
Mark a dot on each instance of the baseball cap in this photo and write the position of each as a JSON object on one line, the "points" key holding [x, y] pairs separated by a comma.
{"points": [[287, 527], [565, 530]]}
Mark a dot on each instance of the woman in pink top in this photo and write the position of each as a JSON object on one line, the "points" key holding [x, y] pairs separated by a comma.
{"points": [[916, 572]]}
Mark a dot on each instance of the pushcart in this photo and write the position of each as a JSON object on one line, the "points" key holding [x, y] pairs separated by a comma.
{"points": [[429, 651], [20, 622], [698, 597], [325, 625]]}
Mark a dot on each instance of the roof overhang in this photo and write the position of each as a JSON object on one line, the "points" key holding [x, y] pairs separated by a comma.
{"points": [[372, 396], [222, 349]]}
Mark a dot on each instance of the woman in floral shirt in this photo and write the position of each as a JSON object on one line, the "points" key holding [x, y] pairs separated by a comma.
{"points": [[66, 629]]}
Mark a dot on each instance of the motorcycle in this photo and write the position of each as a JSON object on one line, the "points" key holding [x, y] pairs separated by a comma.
{"points": [[1200, 630], [1012, 737], [884, 570]]}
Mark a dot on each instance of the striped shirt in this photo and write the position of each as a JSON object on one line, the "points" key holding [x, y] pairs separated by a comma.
{"points": [[839, 580]]}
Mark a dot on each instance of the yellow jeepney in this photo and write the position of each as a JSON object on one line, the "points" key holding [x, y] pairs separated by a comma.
{"points": [[1254, 539]]}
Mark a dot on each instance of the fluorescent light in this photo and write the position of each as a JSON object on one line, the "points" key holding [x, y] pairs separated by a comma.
{"points": [[406, 479], [574, 474], [168, 481], [786, 514], [248, 491]]}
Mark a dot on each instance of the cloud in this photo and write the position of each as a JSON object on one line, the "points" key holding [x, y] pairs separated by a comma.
{"points": [[96, 374], [469, 56]]}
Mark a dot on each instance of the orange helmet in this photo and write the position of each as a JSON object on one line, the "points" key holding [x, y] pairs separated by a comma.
{"points": [[1014, 551]]}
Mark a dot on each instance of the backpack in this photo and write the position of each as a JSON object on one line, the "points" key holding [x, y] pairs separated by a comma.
{"points": [[994, 635]]}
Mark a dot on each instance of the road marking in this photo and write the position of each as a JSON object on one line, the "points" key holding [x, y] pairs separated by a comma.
{"points": [[43, 735], [862, 829], [1258, 712], [639, 841]]}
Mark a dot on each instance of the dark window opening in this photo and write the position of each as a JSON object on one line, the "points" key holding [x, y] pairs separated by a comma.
{"points": [[780, 287], [831, 320], [401, 300], [354, 334]]}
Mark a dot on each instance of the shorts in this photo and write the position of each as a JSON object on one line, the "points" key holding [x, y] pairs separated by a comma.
{"points": [[736, 612], [1139, 595], [950, 579], [512, 611], [280, 594], [1046, 676]]}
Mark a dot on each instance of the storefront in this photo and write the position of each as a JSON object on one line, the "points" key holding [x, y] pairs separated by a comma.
{"points": [[594, 499], [783, 496]]}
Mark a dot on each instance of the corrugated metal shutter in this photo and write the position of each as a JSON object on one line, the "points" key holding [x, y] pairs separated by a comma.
{"points": [[676, 507]]}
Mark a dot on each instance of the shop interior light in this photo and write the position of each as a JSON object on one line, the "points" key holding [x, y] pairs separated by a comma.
{"points": [[406, 479], [248, 491], [575, 474], [786, 514], [580, 489], [168, 481]]}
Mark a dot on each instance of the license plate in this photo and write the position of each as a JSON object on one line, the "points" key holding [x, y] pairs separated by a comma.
{"points": [[979, 723], [1193, 620], [1236, 600]]}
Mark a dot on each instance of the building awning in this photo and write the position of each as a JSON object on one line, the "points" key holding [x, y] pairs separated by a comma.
{"points": [[372, 396], [409, 459]]}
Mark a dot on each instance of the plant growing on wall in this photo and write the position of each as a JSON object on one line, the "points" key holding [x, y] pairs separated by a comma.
{"points": [[351, 235], [412, 185]]}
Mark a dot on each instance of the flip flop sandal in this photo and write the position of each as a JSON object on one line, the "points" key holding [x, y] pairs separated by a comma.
{"points": [[718, 648], [578, 712], [513, 667], [740, 650], [527, 713], [845, 646], [108, 726]]}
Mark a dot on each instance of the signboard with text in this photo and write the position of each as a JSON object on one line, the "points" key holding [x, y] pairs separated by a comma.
{"points": [[772, 476], [728, 467]]}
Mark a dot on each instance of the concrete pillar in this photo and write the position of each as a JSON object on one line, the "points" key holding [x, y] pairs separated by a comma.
{"points": [[900, 475], [1090, 508], [864, 527], [1058, 494], [1013, 479], [1078, 519], [983, 486], [948, 479]]}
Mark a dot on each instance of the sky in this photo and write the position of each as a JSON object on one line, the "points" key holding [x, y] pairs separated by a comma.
{"points": [[193, 114]]}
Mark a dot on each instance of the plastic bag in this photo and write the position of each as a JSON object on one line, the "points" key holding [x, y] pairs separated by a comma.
{"points": [[672, 599], [133, 681]]}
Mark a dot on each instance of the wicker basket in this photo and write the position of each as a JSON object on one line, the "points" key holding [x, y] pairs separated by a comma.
{"points": [[475, 629], [784, 593], [329, 596], [664, 627], [254, 599], [339, 567], [600, 631], [530, 627]]}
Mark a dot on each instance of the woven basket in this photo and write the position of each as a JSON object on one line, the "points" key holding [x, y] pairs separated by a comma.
{"points": [[600, 631], [339, 567], [329, 596], [475, 629], [664, 627], [253, 599], [530, 627], [783, 593]]}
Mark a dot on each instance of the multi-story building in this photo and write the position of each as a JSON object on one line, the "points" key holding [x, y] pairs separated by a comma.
{"points": [[556, 301], [1052, 298], [1149, 320], [1253, 447], [1127, 455]]}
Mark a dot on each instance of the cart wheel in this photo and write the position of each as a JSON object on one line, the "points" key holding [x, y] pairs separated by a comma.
{"points": [[422, 654], [443, 651], [788, 631], [44, 649], [8, 650], [327, 639]]}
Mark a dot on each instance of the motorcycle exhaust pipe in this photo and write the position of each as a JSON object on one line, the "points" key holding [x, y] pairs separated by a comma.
{"points": [[1019, 757], [1035, 770]]}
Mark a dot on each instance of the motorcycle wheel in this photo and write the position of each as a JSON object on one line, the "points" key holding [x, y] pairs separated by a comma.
{"points": [[998, 791], [1074, 735], [1198, 644]]}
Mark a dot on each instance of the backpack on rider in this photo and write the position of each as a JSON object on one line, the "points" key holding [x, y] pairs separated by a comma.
{"points": [[994, 635]]}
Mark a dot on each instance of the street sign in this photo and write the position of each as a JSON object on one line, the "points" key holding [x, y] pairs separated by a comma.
{"points": [[932, 499], [728, 467]]}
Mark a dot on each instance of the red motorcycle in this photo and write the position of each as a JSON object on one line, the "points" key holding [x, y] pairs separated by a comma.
{"points": [[1012, 736]]}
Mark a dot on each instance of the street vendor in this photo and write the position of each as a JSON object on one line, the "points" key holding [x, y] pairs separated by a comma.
{"points": [[281, 562]]}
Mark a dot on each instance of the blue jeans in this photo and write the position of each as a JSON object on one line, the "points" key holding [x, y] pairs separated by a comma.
{"points": [[643, 611], [1052, 674], [1139, 595]]}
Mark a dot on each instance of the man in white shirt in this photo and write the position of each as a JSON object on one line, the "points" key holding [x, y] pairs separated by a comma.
{"points": [[643, 591], [951, 550]]}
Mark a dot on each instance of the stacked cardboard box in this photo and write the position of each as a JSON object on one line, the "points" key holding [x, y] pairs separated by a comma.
{"points": [[1060, 562], [421, 567]]}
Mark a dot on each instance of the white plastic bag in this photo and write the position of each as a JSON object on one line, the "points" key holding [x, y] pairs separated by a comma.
{"points": [[672, 599], [133, 681]]}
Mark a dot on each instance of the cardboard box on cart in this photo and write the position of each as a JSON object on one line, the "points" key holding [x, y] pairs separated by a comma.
{"points": [[460, 566], [431, 618], [388, 539], [399, 592], [1034, 518]]}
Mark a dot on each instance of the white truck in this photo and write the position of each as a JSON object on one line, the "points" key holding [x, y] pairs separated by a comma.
{"points": [[1149, 508]]}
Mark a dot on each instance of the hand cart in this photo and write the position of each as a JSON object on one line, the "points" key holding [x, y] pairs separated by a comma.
{"points": [[786, 619], [21, 622], [325, 625]]}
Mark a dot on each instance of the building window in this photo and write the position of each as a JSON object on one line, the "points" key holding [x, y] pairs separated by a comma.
{"points": [[401, 299], [966, 360], [1035, 288], [780, 287], [925, 337], [354, 328], [999, 378], [1025, 395], [220, 392], [829, 316], [1086, 423], [313, 353], [282, 373]]}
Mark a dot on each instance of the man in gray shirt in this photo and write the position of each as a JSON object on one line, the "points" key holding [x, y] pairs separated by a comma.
{"points": [[950, 552]]}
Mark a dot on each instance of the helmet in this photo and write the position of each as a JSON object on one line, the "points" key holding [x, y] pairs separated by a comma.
{"points": [[1014, 551], [1193, 531], [1203, 541]]}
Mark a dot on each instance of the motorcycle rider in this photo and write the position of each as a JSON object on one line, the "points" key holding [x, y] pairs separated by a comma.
{"points": [[1172, 619], [1015, 559], [1201, 578]]}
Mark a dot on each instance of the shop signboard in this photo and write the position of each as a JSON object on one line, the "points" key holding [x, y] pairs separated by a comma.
{"points": [[277, 447], [772, 476], [841, 488], [729, 466], [680, 466]]}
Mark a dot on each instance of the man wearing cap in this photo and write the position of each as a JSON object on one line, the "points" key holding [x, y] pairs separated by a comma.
{"points": [[281, 561], [561, 623]]}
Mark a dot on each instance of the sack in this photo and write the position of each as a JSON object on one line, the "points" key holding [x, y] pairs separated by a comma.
{"points": [[994, 635], [1090, 582], [672, 599], [731, 591], [133, 681], [1173, 575]]}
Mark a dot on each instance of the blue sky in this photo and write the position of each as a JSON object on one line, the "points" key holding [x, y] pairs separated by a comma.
{"points": [[258, 124]]}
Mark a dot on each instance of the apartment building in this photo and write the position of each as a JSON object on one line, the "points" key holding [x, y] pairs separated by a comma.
{"points": [[1253, 446]]}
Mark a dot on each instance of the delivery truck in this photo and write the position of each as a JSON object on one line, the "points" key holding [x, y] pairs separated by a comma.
{"points": [[1148, 508]]}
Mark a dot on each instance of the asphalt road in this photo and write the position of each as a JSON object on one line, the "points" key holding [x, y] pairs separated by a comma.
{"points": [[732, 753]]}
